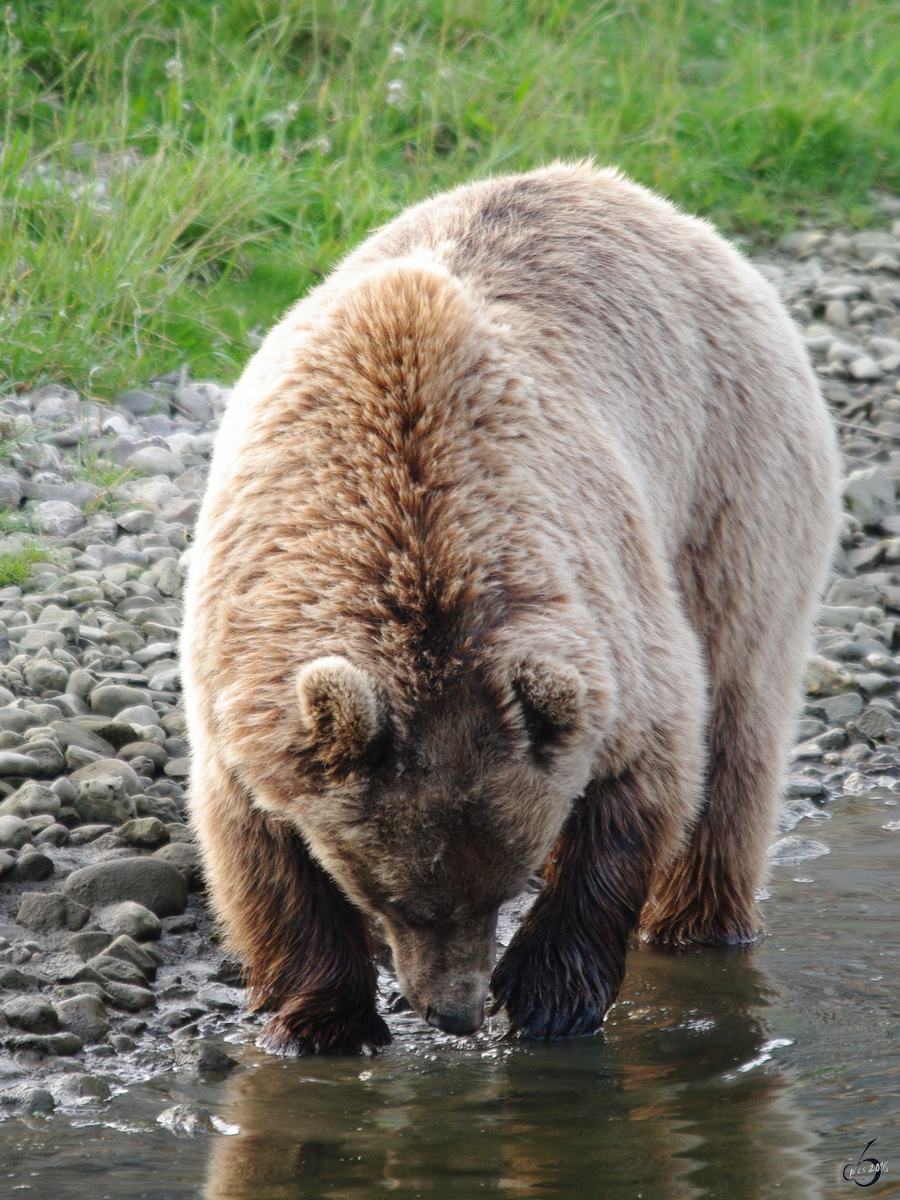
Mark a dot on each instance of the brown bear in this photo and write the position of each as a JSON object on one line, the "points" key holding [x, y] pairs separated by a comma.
{"points": [[514, 534]]}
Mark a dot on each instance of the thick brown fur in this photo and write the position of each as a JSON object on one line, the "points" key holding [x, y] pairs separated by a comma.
{"points": [[513, 538]]}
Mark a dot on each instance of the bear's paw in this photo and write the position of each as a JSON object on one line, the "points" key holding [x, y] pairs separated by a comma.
{"points": [[300, 1033], [550, 994]]}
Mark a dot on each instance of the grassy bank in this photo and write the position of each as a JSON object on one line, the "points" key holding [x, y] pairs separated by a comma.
{"points": [[174, 173]]}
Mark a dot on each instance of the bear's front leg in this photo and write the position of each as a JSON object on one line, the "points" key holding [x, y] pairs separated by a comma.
{"points": [[306, 949], [322, 982], [563, 968]]}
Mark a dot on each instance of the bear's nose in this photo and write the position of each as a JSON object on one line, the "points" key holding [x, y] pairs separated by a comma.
{"points": [[455, 1022]]}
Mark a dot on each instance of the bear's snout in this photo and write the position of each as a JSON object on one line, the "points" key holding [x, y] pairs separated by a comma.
{"points": [[459, 1022], [445, 970]]}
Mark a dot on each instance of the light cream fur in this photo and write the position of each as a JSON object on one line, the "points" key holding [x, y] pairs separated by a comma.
{"points": [[545, 419]]}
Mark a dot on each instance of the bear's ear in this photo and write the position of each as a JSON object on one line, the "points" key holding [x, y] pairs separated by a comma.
{"points": [[552, 695], [338, 707]]}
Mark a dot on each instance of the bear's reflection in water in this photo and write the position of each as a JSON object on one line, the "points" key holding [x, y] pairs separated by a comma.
{"points": [[670, 1102]]}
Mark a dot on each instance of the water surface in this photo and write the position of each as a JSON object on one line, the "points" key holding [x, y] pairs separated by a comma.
{"points": [[720, 1074]]}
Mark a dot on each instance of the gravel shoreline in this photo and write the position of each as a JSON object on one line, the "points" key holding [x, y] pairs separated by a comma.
{"points": [[109, 967]]}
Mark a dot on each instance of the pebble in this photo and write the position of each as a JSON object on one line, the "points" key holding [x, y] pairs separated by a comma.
{"points": [[44, 912], [32, 1014], [84, 1016], [132, 919], [14, 833], [185, 856], [31, 867], [155, 884], [84, 1089], [103, 798]]}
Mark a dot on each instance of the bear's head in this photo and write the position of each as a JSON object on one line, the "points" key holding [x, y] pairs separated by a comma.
{"points": [[431, 813]]}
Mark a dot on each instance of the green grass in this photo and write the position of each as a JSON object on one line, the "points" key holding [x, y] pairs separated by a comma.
{"points": [[13, 521], [16, 566], [175, 173], [93, 468]]}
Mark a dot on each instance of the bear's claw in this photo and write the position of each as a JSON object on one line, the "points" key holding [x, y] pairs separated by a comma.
{"points": [[295, 1034]]}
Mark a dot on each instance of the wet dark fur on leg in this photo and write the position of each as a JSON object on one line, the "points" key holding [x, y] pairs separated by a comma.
{"points": [[313, 962], [563, 969]]}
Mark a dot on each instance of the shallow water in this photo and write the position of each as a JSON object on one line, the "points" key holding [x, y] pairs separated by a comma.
{"points": [[719, 1074]]}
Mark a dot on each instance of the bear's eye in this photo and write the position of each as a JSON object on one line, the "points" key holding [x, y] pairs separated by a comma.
{"points": [[411, 915]]}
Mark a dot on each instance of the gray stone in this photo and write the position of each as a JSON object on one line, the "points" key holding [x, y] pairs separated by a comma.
{"points": [[110, 768], [31, 867], [35, 638], [869, 495], [128, 950], [156, 460], [168, 680], [187, 1120], [31, 1013], [44, 912], [864, 368], [89, 943], [840, 708], [848, 616], [139, 714], [203, 1055], [873, 241], [186, 857], [873, 724], [137, 520], [147, 832], [104, 799], [832, 739], [808, 789], [81, 835], [192, 404], [163, 807], [149, 743], [76, 1089], [14, 980], [140, 403], [52, 835], [7, 862], [76, 757], [18, 719], [47, 755], [853, 591], [43, 674], [64, 789], [39, 1100], [10, 490], [111, 698], [129, 997], [130, 918], [36, 824], [178, 768], [117, 970], [31, 800], [47, 1043], [809, 728], [151, 882], [18, 765], [873, 683], [85, 1016], [14, 833], [225, 999], [57, 518], [81, 683]]}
